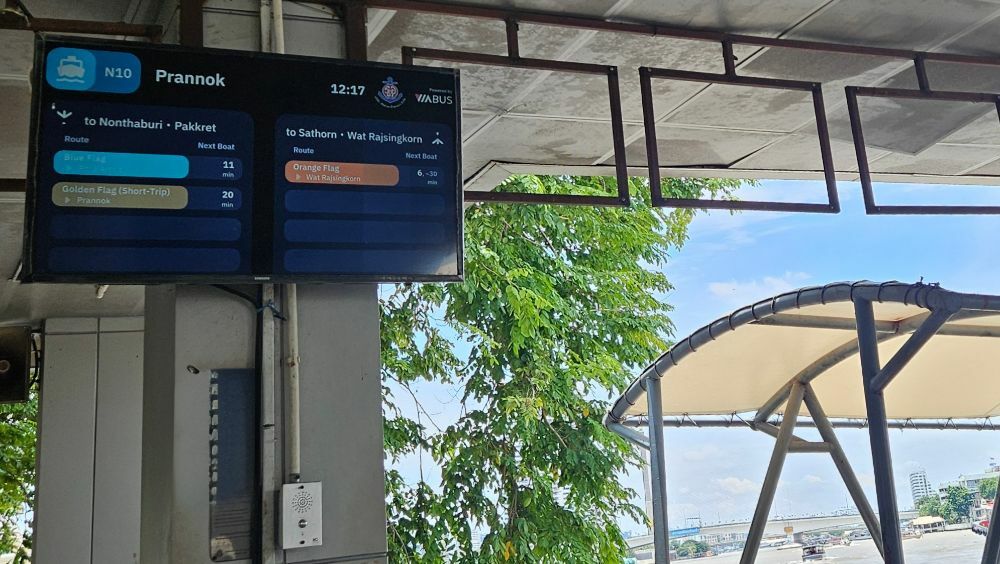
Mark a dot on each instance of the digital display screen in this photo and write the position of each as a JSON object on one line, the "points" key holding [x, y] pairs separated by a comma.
{"points": [[164, 164]]}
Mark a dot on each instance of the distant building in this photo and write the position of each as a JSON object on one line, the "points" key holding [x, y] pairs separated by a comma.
{"points": [[971, 481], [920, 486]]}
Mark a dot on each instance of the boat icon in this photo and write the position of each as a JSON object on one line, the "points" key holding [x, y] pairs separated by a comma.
{"points": [[70, 69]]}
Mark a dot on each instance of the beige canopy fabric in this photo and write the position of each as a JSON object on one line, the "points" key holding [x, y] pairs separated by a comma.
{"points": [[738, 363]]}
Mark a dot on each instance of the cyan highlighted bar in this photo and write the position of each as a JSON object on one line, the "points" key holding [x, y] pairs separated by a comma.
{"points": [[139, 165]]}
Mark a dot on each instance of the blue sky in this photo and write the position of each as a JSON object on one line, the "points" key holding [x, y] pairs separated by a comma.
{"points": [[731, 260]]}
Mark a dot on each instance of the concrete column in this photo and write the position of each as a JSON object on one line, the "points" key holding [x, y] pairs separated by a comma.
{"points": [[190, 331], [193, 330]]}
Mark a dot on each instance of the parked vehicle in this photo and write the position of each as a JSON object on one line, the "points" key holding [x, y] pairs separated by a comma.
{"points": [[860, 534], [813, 552]]}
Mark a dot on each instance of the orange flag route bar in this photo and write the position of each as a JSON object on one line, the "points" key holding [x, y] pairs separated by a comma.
{"points": [[353, 174]]}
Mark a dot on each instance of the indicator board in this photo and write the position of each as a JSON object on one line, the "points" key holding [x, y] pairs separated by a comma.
{"points": [[164, 164]]}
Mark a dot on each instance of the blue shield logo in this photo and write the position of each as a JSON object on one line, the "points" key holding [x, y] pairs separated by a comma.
{"points": [[390, 95]]}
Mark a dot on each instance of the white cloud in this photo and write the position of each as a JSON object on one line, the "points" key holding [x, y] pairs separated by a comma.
{"points": [[737, 486], [744, 292], [812, 479], [702, 453]]}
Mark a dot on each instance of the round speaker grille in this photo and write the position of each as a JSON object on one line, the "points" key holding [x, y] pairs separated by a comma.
{"points": [[302, 502]]}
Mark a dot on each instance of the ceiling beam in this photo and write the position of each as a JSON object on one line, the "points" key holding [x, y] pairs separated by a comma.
{"points": [[18, 22], [12, 184]]}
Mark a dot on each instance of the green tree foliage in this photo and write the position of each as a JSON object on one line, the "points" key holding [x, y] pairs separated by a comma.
{"points": [[988, 489], [17, 474], [953, 507], [690, 548], [931, 506], [559, 307], [960, 500]]}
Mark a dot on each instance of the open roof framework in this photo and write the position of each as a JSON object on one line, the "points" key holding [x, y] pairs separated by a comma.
{"points": [[815, 353], [535, 120]]}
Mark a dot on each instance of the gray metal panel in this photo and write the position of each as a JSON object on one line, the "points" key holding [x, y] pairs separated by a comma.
{"points": [[312, 30], [15, 57], [232, 25], [762, 17], [523, 139], [494, 89], [472, 121], [203, 328], [945, 159], [118, 449], [14, 125], [440, 32], [157, 425], [990, 169], [116, 324], [56, 326], [893, 23], [762, 109], [63, 514], [983, 131], [342, 418], [801, 152], [908, 126], [683, 146], [582, 96]]}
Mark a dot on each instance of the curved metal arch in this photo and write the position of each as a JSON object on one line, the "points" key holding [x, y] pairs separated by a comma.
{"points": [[928, 296]]}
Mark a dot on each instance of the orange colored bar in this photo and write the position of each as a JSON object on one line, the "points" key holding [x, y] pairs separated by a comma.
{"points": [[352, 174]]}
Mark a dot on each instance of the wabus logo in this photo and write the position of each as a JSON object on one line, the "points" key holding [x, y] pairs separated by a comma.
{"points": [[434, 98]]}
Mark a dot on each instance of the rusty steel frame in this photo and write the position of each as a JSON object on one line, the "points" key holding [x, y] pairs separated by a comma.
{"points": [[191, 26], [646, 74], [924, 93], [728, 40], [17, 19], [514, 60]]}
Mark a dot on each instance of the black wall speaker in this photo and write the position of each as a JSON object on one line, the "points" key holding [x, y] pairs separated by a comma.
{"points": [[15, 362]]}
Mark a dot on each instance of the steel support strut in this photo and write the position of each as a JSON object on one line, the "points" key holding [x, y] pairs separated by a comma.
{"points": [[910, 348], [781, 444], [878, 434], [991, 552], [657, 471], [192, 23], [826, 431]]}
